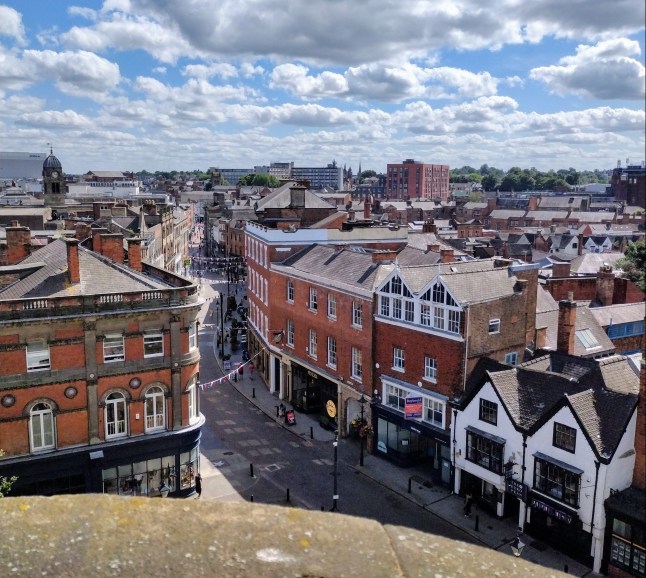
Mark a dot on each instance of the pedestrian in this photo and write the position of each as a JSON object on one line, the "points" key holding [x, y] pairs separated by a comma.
{"points": [[468, 500], [198, 485]]}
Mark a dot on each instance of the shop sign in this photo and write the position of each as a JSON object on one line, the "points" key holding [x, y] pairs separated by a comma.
{"points": [[413, 408], [290, 417], [550, 511], [330, 407], [517, 489]]}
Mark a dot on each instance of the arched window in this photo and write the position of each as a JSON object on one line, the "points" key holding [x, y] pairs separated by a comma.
{"points": [[115, 416], [41, 427], [155, 409]]}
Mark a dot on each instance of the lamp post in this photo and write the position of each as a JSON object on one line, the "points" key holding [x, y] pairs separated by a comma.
{"points": [[218, 296], [335, 493], [517, 546], [363, 400]]}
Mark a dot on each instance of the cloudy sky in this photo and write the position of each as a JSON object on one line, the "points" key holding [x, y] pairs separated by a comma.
{"points": [[190, 84]]}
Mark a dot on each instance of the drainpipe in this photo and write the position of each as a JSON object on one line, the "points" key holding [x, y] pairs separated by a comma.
{"points": [[596, 562], [522, 514], [455, 443], [466, 348]]}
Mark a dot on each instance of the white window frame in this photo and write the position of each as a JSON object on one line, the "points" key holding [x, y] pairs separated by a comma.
{"points": [[356, 366], [116, 426], [115, 343], [38, 356], [151, 339], [290, 291], [154, 410], [313, 299], [290, 332], [191, 392], [192, 336], [331, 352], [425, 314], [399, 359], [494, 326], [434, 406], [42, 427], [511, 358], [357, 314], [430, 368], [312, 343], [331, 306]]}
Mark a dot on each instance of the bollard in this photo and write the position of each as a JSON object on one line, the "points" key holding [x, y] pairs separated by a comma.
{"points": [[565, 569], [322, 508], [311, 433], [251, 470], [277, 411], [477, 523], [253, 392], [288, 494], [410, 481], [252, 497]]}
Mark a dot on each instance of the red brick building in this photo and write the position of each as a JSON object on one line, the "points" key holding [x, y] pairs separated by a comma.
{"points": [[415, 180], [99, 366]]}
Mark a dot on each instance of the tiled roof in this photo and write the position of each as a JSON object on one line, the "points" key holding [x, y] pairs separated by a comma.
{"points": [[506, 214], [560, 202], [616, 314], [592, 216], [282, 198], [546, 215], [590, 263], [586, 321], [98, 276]]}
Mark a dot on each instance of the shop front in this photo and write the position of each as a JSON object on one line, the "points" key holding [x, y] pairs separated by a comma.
{"points": [[310, 393], [407, 443]]}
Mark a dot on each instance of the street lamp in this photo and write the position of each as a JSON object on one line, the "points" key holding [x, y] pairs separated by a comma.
{"points": [[218, 296], [335, 493], [164, 490], [363, 400], [517, 546]]}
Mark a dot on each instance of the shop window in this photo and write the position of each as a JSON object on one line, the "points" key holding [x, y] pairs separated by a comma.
{"points": [[41, 427], [628, 547], [115, 415], [396, 397], [434, 412], [564, 437], [488, 411], [556, 481], [155, 409], [153, 345], [485, 452], [38, 356]]}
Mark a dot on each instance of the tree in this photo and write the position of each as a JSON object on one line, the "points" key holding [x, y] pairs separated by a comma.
{"points": [[489, 182], [5, 483], [634, 263], [475, 196], [367, 174]]}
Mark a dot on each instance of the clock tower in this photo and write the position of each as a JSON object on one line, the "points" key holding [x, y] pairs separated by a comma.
{"points": [[53, 181]]}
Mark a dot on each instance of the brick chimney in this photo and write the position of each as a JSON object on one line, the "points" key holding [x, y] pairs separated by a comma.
{"points": [[73, 269], [579, 245], [83, 231], [560, 270], [366, 209], [429, 226], [386, 255], [134, 253], [433, 248], [112, 247], [567, 323], [446, 256], [639, 471], [351, 215], [605, 284], [18, 243], [96, 238]]}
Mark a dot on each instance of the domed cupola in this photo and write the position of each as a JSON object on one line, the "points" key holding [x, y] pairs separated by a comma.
{"points": [[51, 162], [53, 180]]}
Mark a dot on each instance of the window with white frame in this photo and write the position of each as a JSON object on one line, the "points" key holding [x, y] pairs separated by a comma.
{"points": [[313, 344], [331, 352], [396, 301], [41, 427], [384, 305], [425, 314], [434, 412], [290, 332], [357, 314], [38, 356], [115, 416], [192, 336], [356, 369], [113, 348], [290, 291], [430, 368], [445, 314], [313, 301], [396, 397], [153, 344], [399, 362], [409, 311], [511, 358], [331, 306], [494, 325], [191, 392], [155, 409]]}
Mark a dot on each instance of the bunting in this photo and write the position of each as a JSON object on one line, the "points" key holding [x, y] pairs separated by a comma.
{"points": [[229, 376]]}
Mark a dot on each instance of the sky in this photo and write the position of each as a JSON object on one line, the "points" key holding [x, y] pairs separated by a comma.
{"points": [[168, 85]]}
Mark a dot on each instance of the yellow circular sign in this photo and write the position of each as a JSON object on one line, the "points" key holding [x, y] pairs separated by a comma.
{"points": [[330, 406]]}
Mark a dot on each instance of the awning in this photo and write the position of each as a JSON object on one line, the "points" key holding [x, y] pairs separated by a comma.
{"points": [[487, 435], [558, 463]]}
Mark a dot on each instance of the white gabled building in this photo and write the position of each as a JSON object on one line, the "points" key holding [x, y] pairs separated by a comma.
{"points": [[548, 441]]}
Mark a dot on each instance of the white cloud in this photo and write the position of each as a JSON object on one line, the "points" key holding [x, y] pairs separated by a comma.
{"points": [[55, 118], [83, 12], [11, 24], [221, 69], [606, 70]]}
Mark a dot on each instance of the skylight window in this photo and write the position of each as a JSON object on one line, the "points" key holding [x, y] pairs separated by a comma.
{"points": [[587, 338]]}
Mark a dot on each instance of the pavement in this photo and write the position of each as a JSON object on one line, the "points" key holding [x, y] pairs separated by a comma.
{"points": [[485, 529]]}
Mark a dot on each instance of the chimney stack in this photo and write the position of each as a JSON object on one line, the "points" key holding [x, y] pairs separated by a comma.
{"points": [[560, 270], [605, 284], [446, 256], [433, 248], [134, 253], [380, 256], [366, 209], [566, 327], [18, 243], [73, 269], [112, 247], [96, 238]]}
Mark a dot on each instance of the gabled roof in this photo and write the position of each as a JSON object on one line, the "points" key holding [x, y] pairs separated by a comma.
{"points": [[546, 215], [282, 198]]}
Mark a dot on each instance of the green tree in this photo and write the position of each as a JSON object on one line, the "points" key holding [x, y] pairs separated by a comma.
{"points": [[490, 182], [367, 174], [5, 483], [633, 263], [475, 196]]}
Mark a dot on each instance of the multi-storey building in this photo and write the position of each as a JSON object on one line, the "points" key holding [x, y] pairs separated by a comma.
{"points": [[628, 184], [416, 180], [99, 366]]}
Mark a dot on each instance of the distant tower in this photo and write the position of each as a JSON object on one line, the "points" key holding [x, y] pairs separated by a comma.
{"points": [[53, 181]]}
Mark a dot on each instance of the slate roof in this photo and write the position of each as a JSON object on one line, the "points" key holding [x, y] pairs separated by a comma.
{"points": [[506, 214], [282, 198], [561, 202], [617, 314], [590, 263], [586, 321], [592, 216], [601, 395], [546, 215], [98, 275]]}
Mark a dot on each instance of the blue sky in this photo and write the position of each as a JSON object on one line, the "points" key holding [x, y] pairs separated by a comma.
{"points": [[192, 84]]}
